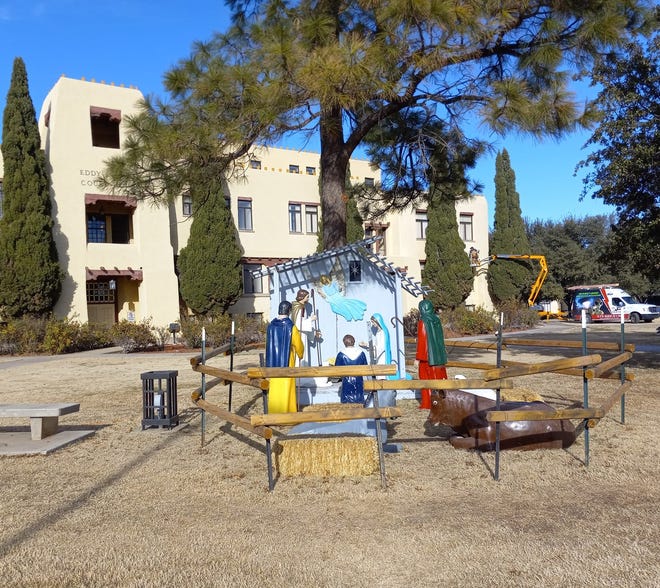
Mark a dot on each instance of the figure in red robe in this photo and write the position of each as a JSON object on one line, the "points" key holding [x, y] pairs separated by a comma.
{"points": [[431, 353]]}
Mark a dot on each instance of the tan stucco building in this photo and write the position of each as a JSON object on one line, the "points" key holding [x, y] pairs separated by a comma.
{"points": [[119, 254]]}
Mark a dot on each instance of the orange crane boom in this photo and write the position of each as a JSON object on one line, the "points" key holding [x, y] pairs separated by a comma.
{"points": [[538, 284], [536, 287]]}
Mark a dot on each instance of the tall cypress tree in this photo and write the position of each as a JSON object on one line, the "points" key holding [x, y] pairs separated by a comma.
{"points": [[447, 271], [508, 279], [30, 276], [210, 263], [354, 222]]}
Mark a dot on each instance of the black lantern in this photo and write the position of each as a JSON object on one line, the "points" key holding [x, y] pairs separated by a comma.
{"points": [[159, 399]]}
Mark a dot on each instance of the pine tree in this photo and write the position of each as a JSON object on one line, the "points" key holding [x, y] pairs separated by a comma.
{"points": [[508, 279], [209, 265], [354, 220], [624, 163], [447, 270], [30, 276], [339, 68]]}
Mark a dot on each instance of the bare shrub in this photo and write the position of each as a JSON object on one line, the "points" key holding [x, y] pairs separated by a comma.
{"points": [[133, 337], [463, 321], [247, 330]]}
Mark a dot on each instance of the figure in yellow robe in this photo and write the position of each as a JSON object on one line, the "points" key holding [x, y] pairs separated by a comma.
{"points": [[283, 344]]}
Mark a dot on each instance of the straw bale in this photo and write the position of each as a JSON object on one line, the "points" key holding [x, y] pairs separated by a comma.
{"points": [[332, 406], [326, 455], [521, 395]]}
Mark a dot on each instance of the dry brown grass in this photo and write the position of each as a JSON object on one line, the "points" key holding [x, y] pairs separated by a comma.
{"points": [[150, 508]]}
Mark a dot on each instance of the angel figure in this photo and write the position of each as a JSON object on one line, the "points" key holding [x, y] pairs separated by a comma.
{"points": [[332, 290]]}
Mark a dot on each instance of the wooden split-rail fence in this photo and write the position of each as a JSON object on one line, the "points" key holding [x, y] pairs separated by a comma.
{"points": [[589, 367]]}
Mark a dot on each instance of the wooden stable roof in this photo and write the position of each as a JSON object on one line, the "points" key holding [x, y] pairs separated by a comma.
{"points": [[359, 248]]}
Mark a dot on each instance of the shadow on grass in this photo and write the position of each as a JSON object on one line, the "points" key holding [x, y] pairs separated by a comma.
{"points": [[15, 540]]}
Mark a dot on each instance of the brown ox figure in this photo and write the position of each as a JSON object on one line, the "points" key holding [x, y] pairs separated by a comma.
{"points": [[466, 414]]}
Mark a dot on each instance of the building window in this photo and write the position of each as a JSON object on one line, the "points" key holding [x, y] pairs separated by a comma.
{"points": [[255, 164], [244, 214], [294, 169], [422, 267], [100, 293], [310, 171], [252, 285], [295, 218], [377, 230], [465, 226], [105, 127], [186, 202], [422, 223], [109, 221], [95, 228], [369, 182], [311, 218], [108, 228], [120, 228]]}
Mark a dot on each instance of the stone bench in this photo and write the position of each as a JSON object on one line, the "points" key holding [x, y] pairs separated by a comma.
{"points": [[43, 417]]}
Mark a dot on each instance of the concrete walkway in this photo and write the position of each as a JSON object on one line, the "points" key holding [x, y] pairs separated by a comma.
{"points": [[10, 361], [17, 443]]}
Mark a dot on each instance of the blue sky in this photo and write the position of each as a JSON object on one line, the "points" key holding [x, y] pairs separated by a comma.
{"points": [[134, 42]]}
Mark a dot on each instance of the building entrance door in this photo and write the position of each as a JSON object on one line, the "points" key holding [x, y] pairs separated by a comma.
{"points": [[101, 314]]}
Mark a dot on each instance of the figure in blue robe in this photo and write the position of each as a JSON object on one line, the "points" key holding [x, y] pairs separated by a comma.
{"points": [[352, 387], [283, 344]]}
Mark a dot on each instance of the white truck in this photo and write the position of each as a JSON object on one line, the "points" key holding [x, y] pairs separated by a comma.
{"points": [[606, 302]]}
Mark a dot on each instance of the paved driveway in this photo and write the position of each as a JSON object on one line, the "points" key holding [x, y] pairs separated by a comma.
{"points": [[642, 335]]}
